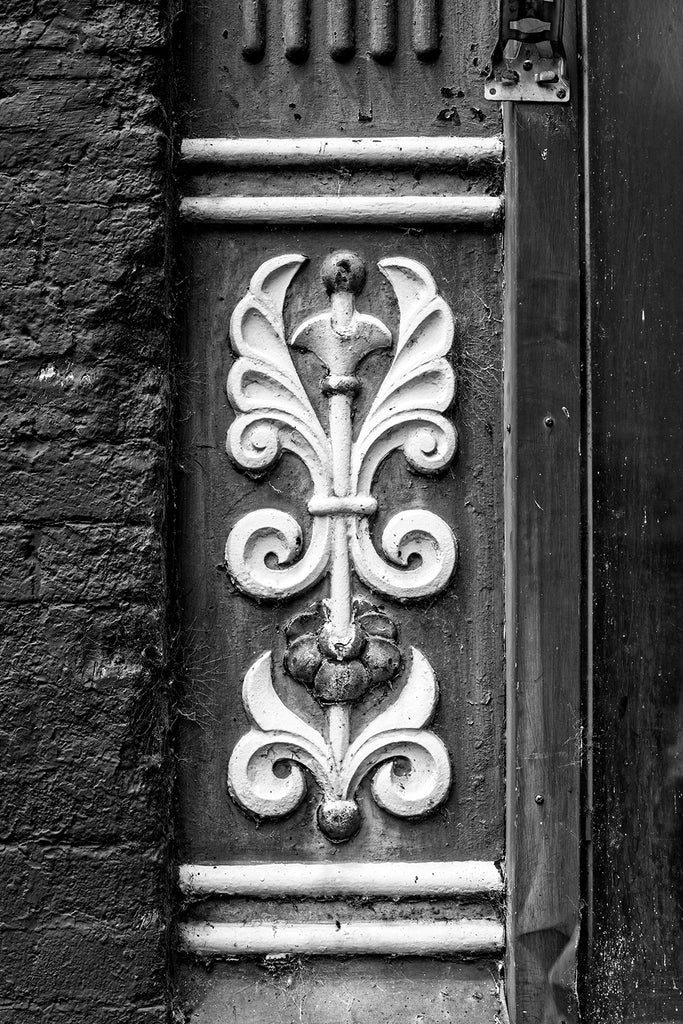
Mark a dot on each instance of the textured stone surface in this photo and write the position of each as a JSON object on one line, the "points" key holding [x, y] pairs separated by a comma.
{"points": [[83, 426]]}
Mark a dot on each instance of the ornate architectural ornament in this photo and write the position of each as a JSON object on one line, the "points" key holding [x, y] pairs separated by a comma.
{"points": [[344, 647]]}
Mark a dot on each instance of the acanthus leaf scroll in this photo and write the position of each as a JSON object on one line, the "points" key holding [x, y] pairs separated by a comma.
{"points": [[347, 647]]}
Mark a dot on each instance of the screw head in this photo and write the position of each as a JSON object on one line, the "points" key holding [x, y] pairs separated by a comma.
{"points": [[540, 798], [561, 93], [549, 422], [527, 65]]}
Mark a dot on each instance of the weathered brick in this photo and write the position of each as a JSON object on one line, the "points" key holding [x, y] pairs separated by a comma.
{"points": [[93, 777], [114, 884], [83, 425], [46, 481], [98, 564], [27, 1012], [82, 721], [67, 641], [80, 957], [82, 401], [17, 564]]}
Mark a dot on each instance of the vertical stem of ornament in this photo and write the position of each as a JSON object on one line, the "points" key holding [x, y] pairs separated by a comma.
{"points": [[338, 729], [338, 715], [340, 399], [340, 581], [340, 568]]}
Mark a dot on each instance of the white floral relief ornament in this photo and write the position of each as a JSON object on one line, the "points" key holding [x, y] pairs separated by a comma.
{"points": [[351, 646]]}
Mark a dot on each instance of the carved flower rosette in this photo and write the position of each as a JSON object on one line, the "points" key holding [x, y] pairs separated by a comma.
{"points": [[345, 647]]}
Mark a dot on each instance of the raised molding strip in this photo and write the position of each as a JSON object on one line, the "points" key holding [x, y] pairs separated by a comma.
{"points": [[295, 18], [378, 938], [303, 210], [341, 29], [383, 30], [399, 151], [426, 29], [389, 880], [253, 30]]}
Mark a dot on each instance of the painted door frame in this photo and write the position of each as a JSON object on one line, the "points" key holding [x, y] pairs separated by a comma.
{"points": [[543, 538], [544, 558], [543, 425]]}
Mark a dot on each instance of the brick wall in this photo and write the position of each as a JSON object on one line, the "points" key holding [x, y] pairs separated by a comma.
{"points": [[84, 411]]}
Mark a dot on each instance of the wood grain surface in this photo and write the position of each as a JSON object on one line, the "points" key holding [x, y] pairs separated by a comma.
{"points": [[635, 972], [543, 414]]}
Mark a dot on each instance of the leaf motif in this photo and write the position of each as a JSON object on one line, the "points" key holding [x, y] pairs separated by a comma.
{"points": [[406, 415], [413, 708], [266, 295], [263, 383], [399, 732], [425, 336], [267, 711], [279, 736], [420, 383], [275, 414]]}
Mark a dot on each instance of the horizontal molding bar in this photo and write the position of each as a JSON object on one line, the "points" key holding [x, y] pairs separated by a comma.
{"points": [[305, 210], [399, 151], [389, 880], [379, 938]]}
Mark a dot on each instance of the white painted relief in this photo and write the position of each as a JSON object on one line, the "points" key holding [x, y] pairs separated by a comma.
{"points": [[344, 647]]}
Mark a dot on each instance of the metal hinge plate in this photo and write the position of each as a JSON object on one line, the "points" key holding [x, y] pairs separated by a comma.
{"points": [[528, 64]]}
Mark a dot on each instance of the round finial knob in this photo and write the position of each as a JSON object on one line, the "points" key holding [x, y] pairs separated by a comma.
{"points": [[343, 272], [339, 819]]}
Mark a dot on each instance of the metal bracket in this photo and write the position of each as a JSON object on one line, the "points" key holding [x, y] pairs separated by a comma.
{"points": [[528, 63]]}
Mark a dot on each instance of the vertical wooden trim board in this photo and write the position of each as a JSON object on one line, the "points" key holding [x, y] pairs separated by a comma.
{"points": [[543, 556], [634, 309]]}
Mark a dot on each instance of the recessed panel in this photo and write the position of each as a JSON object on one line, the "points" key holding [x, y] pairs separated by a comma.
{"points": [[456, 630]]}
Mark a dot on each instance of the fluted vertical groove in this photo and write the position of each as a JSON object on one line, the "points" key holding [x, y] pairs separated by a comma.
{"points": [[341, 16], [426, 34], [383, 30], [253, 29], [295, 28]]}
